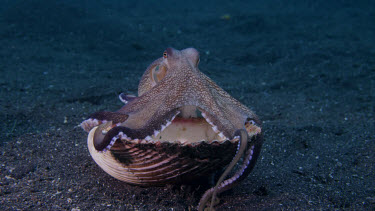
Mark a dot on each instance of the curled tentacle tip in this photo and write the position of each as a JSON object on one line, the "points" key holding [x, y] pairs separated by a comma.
{"points": [[125, 98], [100, 143], [222, 185]]}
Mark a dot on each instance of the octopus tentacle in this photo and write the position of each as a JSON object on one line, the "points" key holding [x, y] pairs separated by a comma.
{"points": [[238, 176], [149, 107], [125, 98], [106, 134], [225, 111], [115, 117], [102, 117]]}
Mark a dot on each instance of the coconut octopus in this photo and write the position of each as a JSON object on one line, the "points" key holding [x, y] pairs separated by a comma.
{"points": [[181, 128]]}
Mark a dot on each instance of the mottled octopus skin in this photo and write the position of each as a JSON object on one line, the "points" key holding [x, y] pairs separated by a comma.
{"points": [[182, 85], [169, 84], [249, 160]]}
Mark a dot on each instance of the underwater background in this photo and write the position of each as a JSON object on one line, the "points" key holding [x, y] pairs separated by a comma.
{"points": [[307, 68]]}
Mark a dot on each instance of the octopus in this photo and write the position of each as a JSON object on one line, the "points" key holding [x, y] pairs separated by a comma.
{"points": [[178, 108]]}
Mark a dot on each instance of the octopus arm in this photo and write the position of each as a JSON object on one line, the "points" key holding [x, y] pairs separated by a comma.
{"points": [[250, 150], [225, 112], [147, 113]]}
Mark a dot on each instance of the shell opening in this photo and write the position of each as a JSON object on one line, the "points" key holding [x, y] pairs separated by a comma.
{"points": [[189, 130], [188, 126]]}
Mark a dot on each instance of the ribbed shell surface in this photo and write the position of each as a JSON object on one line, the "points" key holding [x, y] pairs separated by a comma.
{"points": [[159, 163]]}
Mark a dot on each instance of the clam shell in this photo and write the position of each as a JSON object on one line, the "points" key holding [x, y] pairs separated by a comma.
{"points": [[158, 163]]}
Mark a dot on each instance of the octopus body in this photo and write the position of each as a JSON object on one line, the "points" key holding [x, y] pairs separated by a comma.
{"points": [[179, 106]]}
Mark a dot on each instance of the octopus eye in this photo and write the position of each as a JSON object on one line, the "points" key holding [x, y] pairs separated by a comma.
{"points": [[165, 55], [158, 73]]}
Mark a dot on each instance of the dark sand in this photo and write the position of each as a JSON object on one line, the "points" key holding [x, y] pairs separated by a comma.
{"points": [[307, 68]]}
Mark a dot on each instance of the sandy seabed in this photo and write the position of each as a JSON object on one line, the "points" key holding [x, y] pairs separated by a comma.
{"points": [[307, 68]]}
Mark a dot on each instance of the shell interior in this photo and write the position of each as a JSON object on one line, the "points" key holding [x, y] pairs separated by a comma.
{"points": [[186, 131], [186, 149]]}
